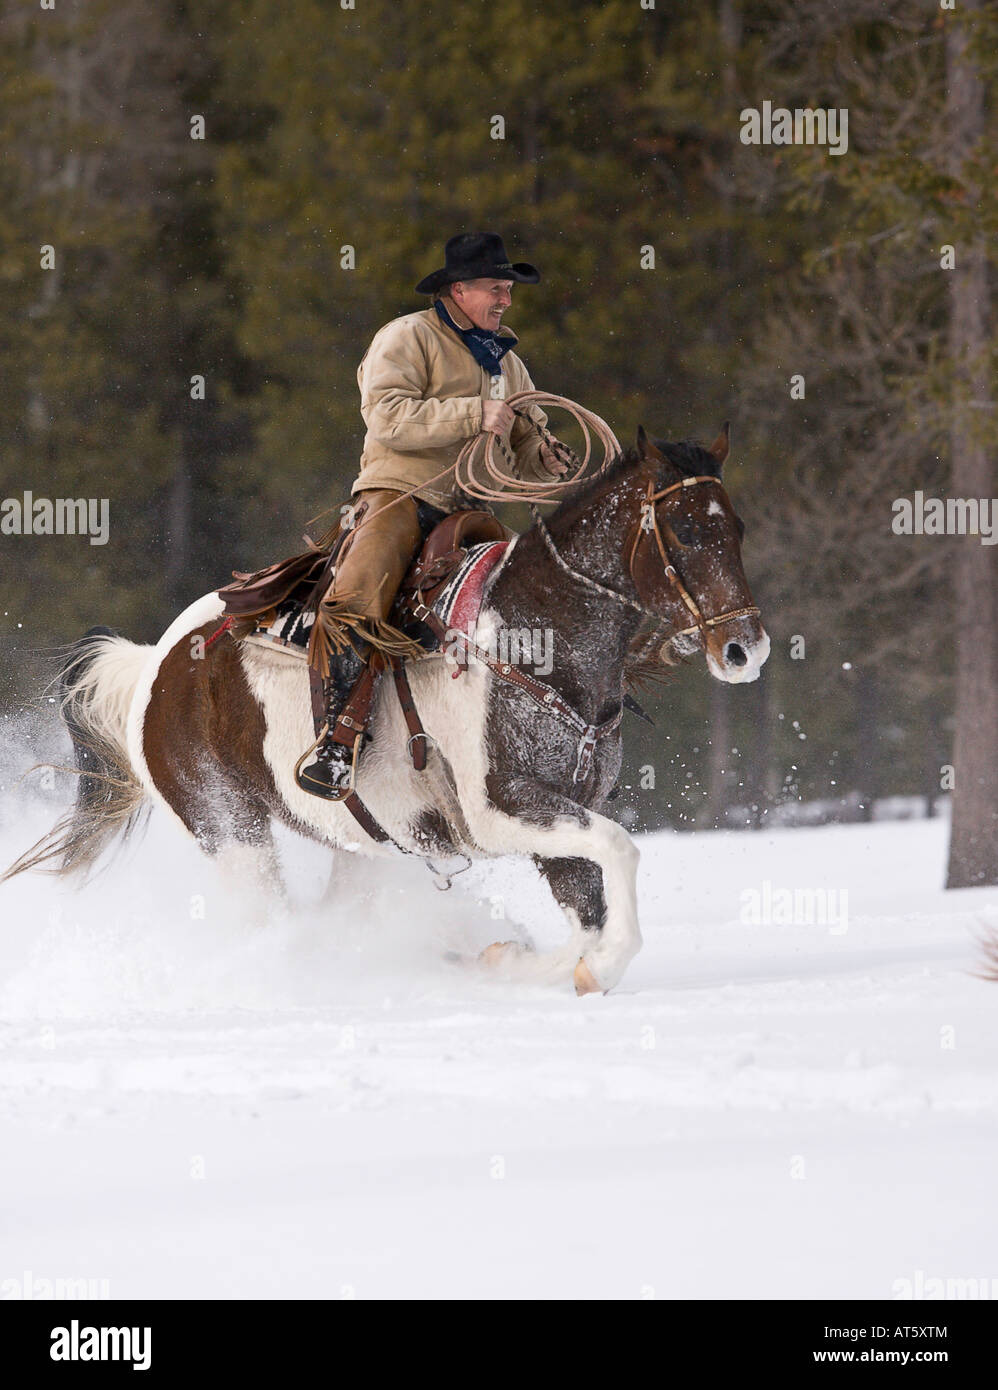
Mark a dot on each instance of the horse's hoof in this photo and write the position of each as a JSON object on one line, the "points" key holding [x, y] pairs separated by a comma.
{"points": [[585, 982], [499, 950]]}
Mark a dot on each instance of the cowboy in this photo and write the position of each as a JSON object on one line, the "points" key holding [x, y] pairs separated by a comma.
{"points": [[429, 382]]}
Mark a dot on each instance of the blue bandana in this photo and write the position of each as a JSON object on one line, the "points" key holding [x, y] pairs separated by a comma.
{"points": [[487, 348]]}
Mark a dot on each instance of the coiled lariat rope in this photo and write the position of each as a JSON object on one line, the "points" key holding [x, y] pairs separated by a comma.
{"points": [[480, 451], [506, 486]]}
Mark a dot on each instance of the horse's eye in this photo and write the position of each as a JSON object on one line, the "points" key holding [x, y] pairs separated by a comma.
{"points": [[686, 532]]}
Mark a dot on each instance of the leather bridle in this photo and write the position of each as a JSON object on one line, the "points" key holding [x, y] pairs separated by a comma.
{"points": [[649, 525]]}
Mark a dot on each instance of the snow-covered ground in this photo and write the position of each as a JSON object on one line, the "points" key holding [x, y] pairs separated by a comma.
{"points": [[331, 1107]]}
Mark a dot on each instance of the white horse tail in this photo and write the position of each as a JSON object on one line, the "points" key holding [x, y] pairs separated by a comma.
{"points": [[97, 680]]}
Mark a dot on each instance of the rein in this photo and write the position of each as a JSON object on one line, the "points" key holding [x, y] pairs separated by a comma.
{"points": [[544, 695]]}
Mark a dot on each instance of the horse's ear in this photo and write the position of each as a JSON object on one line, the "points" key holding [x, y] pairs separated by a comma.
{"points": [[721, 444], [646, 449]]}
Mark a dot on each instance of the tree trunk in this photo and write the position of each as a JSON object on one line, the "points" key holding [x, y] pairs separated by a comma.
{"points": [[973, 855]]}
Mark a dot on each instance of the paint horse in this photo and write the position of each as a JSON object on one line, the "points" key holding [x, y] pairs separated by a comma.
{"points": [[651, 545]]}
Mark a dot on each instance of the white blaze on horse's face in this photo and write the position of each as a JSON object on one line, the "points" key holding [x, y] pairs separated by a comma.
{"points": [[698, 544], [736, 648]]}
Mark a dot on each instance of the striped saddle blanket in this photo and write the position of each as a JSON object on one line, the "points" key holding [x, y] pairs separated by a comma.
{"points": [[457, 606]]}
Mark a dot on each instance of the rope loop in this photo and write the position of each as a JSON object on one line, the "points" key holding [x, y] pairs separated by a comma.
{"points": [[509, 487], [479, 454]]}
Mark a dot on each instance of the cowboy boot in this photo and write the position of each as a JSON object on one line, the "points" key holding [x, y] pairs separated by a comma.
{"points": [[330, 775]]}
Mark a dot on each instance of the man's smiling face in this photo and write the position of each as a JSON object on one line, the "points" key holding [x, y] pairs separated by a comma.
{"points": [[484, 301]]}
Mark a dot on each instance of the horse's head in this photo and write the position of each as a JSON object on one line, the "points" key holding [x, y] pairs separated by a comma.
{"points": [[684, 556]]}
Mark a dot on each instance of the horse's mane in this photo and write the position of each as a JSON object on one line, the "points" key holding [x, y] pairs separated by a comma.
{"points": [[683, 458]]}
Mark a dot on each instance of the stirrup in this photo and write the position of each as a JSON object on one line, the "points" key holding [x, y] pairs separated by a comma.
{"points": [[329, 791]]}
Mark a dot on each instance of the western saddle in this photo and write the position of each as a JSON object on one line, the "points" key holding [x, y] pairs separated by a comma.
{"points": [[252, 602]]}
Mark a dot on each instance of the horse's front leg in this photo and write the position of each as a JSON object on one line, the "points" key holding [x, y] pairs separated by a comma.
{"points": [[591, 864], [577, 886]]}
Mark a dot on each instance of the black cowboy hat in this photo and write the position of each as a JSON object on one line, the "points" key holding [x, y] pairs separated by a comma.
{"points": [[476, 256]]}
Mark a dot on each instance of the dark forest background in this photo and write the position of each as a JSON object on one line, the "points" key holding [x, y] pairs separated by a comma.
{"points": [[371, 128]]}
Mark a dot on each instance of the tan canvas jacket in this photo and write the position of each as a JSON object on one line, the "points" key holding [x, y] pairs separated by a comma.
{"points": [[421, 395]]}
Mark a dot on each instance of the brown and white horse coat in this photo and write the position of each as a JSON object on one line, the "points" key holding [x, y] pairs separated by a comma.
{"points": [[212, 735]]}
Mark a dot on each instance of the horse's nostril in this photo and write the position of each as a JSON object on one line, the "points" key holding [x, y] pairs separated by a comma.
{"points": [[734, 655]]}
